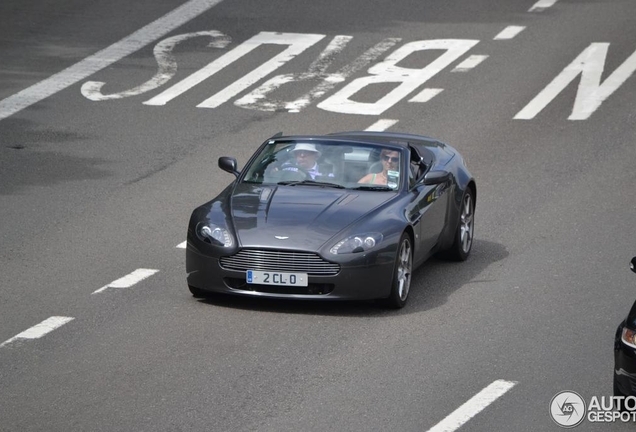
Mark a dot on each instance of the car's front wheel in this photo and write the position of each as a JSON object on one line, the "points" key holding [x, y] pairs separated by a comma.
{"points": [[402, 270], [463, 242]]}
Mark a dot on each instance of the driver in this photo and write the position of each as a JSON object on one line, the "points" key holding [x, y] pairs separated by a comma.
{"points": [[305, 157]]}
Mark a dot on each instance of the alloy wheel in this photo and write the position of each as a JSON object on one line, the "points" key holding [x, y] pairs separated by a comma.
{"points": [[466, 224], [405, 265]]}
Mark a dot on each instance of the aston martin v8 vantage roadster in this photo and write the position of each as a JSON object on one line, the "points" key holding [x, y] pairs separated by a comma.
{"points": [[342, 216]]}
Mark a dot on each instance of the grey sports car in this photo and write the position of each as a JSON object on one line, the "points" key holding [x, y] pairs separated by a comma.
{"points": [[341, 216]]}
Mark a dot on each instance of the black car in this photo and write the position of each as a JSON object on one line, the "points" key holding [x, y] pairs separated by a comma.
{"points": [[340, 216], [625, 352]]}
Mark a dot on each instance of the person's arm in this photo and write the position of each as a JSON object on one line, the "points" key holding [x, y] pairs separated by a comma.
{"points": [[366, 179]]}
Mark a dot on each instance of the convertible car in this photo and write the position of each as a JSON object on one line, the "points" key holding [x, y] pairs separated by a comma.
{"points": [[342, 216]]}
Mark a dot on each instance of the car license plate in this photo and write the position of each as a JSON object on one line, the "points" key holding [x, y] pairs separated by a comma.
{"points": [[276, 278]]}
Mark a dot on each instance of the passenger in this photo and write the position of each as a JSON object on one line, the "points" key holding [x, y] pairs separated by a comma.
{"points": [[390, 162]]}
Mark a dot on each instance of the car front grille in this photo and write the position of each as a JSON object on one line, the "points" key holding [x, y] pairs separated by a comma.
{"points": [[282, 261]]}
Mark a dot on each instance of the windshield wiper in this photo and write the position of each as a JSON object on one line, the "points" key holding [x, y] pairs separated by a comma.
{"points": [[373, 187], [311, 183]]}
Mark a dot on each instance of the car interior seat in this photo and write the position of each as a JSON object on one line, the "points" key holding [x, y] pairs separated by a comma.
{"points": [[375, 167]]}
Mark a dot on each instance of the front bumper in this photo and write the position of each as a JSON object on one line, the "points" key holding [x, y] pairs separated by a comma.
{"points": [[366, 277]]}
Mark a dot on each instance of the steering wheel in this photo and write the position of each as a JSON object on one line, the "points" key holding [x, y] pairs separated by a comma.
{"points": [[294, 173]]}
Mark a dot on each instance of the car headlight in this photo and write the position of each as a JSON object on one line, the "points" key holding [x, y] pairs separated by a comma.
{"points": [[357, 243], [214, 234], [629, 337]]}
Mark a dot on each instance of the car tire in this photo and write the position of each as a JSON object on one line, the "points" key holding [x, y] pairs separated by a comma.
{"points": [[463, 241], [402, 271], [197, 293]]}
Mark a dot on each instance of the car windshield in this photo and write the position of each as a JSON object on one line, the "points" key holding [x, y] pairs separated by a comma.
{"points": [[327, 164]]}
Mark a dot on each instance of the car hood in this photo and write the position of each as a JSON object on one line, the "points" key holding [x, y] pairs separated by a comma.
{"points": [[297, 217]]}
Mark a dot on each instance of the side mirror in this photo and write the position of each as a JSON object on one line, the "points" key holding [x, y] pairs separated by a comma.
{"points": [[632, 265], [436, 177], [228, 164]]}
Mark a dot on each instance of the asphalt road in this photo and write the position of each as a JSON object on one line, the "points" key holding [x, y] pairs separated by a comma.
{"points": [[97, 182]]}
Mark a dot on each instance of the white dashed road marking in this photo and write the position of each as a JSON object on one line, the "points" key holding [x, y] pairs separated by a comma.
{"points": [[473, 406], [39, 330], [182, 245], [381, 125], [104, 58], [129, 280], [426, 95], [469, 63], [541, 5], [509, 32]]}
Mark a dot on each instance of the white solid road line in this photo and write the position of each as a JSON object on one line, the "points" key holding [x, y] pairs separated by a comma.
{"points": [[473, 406], [541, 5], [129, 280], [105, 57], [509, 32], [39, 330], [182, 245]]}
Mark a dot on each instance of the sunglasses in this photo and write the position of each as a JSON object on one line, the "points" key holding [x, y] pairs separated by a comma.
{"points": [[392, 159]]}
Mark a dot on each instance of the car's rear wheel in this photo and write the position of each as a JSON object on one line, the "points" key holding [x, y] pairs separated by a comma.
{"points": [[196, 292], [402, 270], [463, 242]]}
